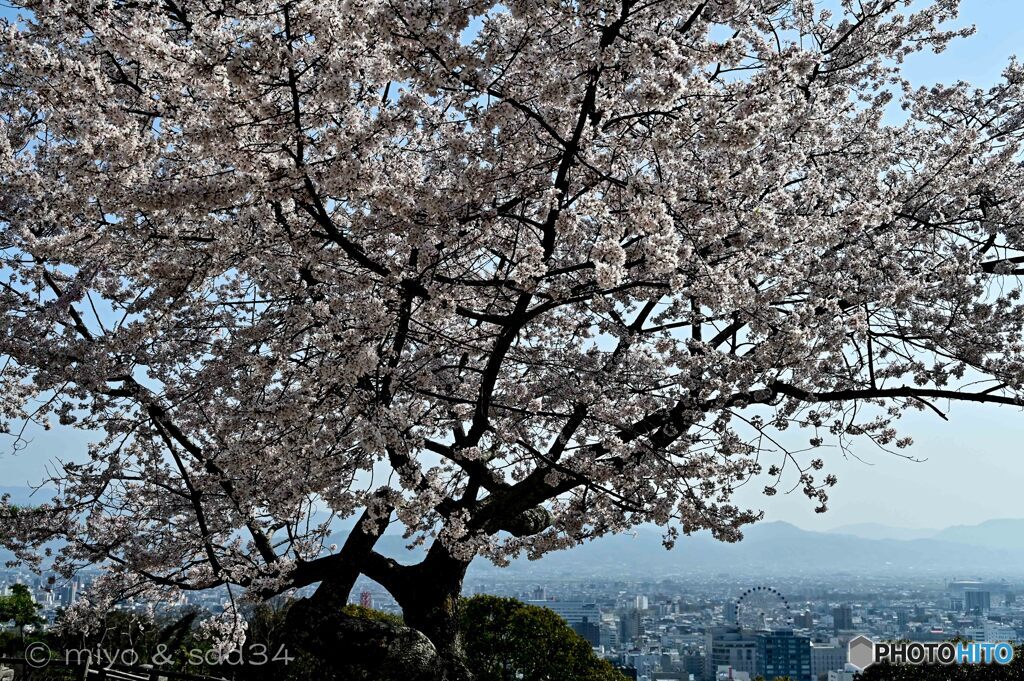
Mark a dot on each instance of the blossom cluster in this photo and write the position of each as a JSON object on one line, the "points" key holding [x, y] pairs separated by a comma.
{"points": [[516, 274]]}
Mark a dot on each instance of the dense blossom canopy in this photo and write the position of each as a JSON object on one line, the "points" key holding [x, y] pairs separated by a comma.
{"points": [[511, 274]]}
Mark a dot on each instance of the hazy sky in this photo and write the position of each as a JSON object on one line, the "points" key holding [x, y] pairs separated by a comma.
{"points": [[972, 469]]}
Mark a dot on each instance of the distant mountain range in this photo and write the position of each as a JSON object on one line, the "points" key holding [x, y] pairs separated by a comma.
{"points": [[879, 531], [781, 548], [993, 548]]}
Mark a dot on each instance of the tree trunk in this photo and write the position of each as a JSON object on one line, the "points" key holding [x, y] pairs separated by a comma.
{"points": [[358, 648], [432, 607], [429, 596], [361, 647]]}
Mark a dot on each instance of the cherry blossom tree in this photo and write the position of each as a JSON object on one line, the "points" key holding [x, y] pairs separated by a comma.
{"points": [[510, 276]]}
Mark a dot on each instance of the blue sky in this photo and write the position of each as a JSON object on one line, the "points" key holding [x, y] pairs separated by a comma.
{"points": [[974, 465]]}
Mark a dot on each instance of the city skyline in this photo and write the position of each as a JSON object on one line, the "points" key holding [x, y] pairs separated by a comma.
{"points": [[698, 627]]}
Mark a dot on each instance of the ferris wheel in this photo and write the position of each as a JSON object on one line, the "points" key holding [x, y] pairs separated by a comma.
{"points": [[763, 608]]}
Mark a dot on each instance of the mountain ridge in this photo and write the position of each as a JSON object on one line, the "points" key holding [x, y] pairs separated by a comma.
{"points": [[994, 547], [882, 531], [767, 548]]}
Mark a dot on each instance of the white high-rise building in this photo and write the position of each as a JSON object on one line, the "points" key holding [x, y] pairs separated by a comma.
{"points": [[730, 647], [826, 658], [991, 632]]}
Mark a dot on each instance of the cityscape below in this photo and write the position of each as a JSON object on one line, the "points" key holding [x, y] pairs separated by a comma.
{"points": [[702, 629], [783, 602]]}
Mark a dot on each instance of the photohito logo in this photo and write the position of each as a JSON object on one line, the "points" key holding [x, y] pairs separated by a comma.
{"points": [[863, 652]]}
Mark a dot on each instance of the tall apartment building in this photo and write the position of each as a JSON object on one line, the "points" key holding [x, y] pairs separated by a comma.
{"points": [[782, 653], [826, 658], [730, 646], [842, 618]]}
